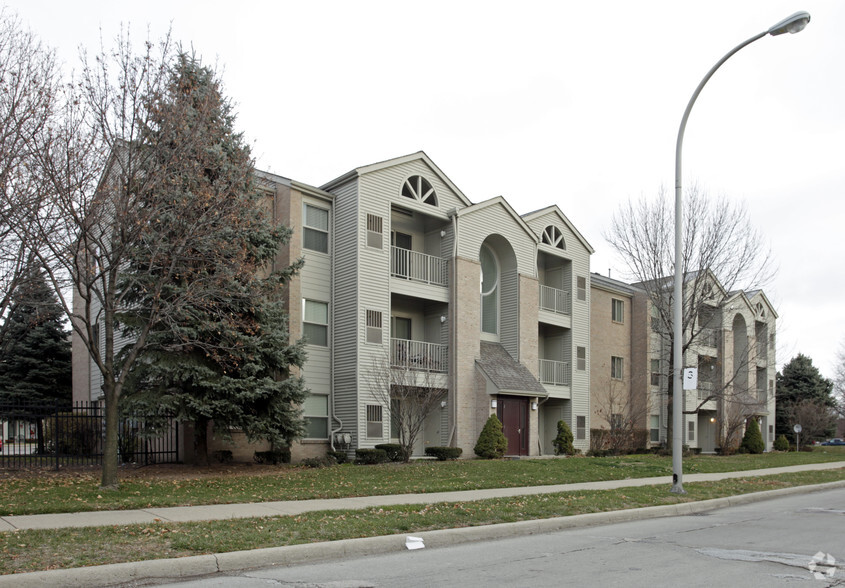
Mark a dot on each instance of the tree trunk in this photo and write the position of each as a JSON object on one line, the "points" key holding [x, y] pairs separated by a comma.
{"points": [[109, 480], [201, 441]]}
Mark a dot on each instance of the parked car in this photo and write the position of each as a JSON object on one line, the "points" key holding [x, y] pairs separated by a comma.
{"points": [[836, 441]]}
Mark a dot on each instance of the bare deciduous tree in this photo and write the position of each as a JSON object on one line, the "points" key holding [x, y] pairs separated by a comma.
{"points": [[412, 395], [721, 253], [28, 83], [839, 381], [718, 238], [817, 419], [625, 415]]}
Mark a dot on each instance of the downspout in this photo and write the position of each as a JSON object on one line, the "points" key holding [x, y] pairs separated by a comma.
{"points": [[453, 321], [334, 416], [540, 441]]}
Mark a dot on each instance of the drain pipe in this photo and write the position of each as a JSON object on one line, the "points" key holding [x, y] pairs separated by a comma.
{"points": [[453, 409]]}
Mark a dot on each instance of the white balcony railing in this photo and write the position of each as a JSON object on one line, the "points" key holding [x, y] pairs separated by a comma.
{"points": [[709, 337], [418, 267], [559, 301], [705, 389], [418, 355], [555, 373]]}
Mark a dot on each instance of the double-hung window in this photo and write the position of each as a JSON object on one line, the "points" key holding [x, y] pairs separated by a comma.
{"points": [[315, 229], [616, 365], [315, 409], [617, 310], [315, 322]]}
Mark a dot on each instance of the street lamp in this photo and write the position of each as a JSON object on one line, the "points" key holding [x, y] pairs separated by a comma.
{"points": [[791, 24]]}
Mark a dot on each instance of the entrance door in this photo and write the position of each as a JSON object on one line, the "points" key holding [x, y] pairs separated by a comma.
{"points": [[513, 412]]}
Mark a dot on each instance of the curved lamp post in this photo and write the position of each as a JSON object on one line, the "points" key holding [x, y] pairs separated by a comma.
{"points": [[791, 24]]}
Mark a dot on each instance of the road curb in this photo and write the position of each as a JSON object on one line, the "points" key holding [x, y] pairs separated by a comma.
{"points": [[204, 565]]}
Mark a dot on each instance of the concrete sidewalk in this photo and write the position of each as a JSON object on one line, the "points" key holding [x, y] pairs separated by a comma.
{"points": [[295, 507], [168, 570]]}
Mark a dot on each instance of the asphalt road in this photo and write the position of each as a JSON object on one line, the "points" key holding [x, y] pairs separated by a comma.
{"points": [[768, 543]]}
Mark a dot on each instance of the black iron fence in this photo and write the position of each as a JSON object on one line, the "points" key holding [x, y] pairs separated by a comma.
{"points": [[63, 433]]}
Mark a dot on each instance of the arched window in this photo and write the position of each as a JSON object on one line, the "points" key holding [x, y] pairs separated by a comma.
{"points": [[418, 188], [552, 236], [490, 275]]}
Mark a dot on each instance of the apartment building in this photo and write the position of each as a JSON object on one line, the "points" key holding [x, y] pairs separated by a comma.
{"points": [[484, 308], [732, 348]]}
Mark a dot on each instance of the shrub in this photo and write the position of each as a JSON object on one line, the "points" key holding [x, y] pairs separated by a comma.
{"points": [[370, 456], [752, 441], [491, 443], [338, 456], [394, 451], [563, 441], [223, 456], [444, 453], [807, 447], [781, 443], [318, 462], [275, 456], [70, 433]]}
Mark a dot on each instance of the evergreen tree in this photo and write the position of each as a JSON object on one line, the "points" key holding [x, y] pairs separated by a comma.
{"points": [[752, 441], [492, 442], [563, 440], [222, 353], [800, 382], [35, 359]]}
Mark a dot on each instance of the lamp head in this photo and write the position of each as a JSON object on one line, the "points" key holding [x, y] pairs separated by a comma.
{"points": [[791, 24]]}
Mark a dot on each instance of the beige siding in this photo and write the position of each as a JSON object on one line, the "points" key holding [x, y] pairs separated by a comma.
{"points": [[478, 225], [344, 307]]}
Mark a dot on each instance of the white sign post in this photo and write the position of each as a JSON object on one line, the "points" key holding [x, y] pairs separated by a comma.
{"points": [[690, 378]]}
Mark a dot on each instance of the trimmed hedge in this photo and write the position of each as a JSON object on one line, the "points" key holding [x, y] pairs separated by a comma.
{"points": [[274, 457], [370, 456], [339, 457], [444, 453]]}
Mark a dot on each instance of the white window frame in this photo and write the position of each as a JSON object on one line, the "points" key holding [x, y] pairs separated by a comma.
{"points": [[495, 291], [313, 416], [617, 367], [305, 302], [617, 310], [306, 227], [375, 410]]}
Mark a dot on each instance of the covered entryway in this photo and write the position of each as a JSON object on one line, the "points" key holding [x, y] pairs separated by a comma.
{"points": [[513, 412]]}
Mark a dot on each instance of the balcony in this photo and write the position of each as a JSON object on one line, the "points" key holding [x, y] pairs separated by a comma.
{"points": [[418, 356], [762, 396], [705, 389], [762, 351], [555, 373], [709, 337], [554, 300], [418, 267]]}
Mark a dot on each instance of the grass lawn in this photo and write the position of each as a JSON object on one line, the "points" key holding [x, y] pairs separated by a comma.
{"points": [[26, 551], [34, 494]]}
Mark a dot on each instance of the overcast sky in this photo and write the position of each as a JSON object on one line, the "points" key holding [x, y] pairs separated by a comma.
{"points": [[574, 104]]}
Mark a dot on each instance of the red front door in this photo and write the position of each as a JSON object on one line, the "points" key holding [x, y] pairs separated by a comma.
{"points": [[513, 412]]}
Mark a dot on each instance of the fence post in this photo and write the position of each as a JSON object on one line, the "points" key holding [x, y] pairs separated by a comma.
{"points": [[56, 434]]}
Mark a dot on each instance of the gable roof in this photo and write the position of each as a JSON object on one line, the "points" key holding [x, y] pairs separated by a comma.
{"points": [[557, 211], [507, 375], [753, 294], [374, 167], [498, 201]]}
